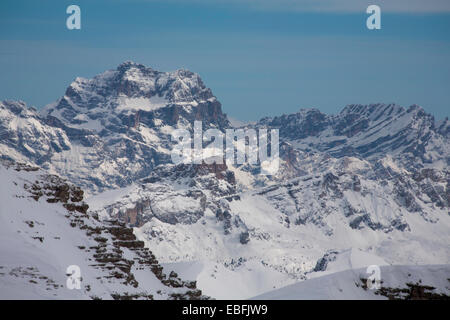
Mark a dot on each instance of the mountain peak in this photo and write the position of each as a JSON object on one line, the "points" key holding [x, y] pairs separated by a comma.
{"points": [[129, 88], [306, 111], [18, 107], [129, 64], [133, 71]]}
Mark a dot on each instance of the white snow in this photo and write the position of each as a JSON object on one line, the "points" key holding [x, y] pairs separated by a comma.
{"points": [[342, 285], [141, 103], [38, 244]]}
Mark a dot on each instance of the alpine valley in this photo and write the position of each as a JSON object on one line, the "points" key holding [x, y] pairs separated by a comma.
{"points": [[88, 180]]}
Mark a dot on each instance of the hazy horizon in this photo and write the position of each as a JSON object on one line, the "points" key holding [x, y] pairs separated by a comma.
{"points": [[258, 59]]}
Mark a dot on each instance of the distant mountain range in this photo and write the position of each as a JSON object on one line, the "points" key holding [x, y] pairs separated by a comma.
{"points": [[373, 178]]}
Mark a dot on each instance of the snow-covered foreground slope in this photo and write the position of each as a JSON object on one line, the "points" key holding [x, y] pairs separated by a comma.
{"points": [[397, 282], [44, 229], [246, 278]]}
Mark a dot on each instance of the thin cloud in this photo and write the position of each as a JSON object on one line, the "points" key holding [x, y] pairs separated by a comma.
{"points": [[398, 6], [339, 6]]}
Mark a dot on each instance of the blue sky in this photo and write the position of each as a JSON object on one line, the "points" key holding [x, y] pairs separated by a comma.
{"points": [[259, 57]]}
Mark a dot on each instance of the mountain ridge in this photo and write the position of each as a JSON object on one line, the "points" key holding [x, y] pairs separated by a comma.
{"points": [[371, 177]]}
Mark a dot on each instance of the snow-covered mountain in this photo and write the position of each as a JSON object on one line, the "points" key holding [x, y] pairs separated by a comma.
{"points": [[368, 131], [373, 178], [111, 130], [279, 232]]}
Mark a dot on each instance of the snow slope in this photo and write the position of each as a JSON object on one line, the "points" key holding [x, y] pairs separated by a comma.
{"points": [[349, 284], [40, 239]]}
